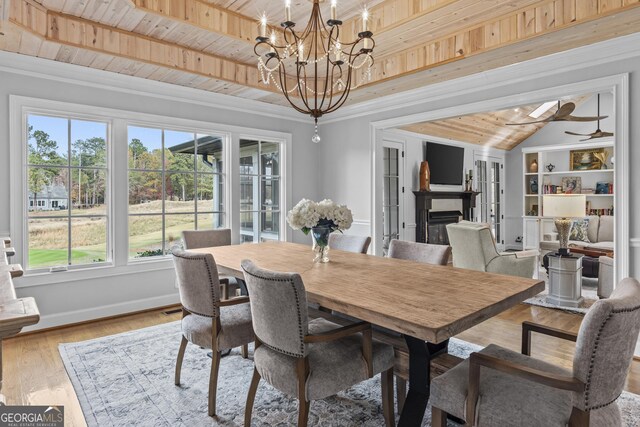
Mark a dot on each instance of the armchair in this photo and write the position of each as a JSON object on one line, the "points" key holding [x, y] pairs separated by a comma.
{"points": [[517, 389], [309, 359], [474, 248]]}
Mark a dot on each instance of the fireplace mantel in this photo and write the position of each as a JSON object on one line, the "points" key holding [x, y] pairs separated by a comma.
{"points": [[424, 202]]}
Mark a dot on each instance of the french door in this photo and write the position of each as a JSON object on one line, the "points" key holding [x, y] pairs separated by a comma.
{"points": [[393, 193], [489, 179]]}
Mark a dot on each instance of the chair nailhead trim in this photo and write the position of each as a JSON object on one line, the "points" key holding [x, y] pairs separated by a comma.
{"points": [[593, 357], [300, 332], [216, 308]]}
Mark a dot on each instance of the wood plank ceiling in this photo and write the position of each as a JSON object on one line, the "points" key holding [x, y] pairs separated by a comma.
{"points": [[490, 129], [208, 44]]}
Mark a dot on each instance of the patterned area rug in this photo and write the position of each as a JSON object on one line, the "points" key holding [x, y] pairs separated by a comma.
{"points": [[127, 380], [589, 293]]}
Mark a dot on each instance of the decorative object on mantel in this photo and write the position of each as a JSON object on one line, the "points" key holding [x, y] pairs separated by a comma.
{"points": [[562, 114], [316, 64], [425, 176], [594, 135], [550, 167], [321, 219], [468, 181], [533, 167]]}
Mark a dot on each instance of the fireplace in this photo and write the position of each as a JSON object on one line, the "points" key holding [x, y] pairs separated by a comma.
{"points": [[437, 226], [430, 224]]}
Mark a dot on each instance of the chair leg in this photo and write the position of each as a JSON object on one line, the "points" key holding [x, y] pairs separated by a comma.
{"points": [[303, 412], [245, 351], [387, 398], [251, 397], [401, 392], [438, 417], [213, 382], [183, 347], [579, 418]]}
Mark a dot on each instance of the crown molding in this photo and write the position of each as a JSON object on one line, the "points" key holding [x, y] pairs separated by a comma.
{"points": [[75, 74], [586, 56]]}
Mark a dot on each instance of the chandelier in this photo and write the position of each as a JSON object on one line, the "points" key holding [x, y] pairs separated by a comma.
{"points": [[314, 68]]}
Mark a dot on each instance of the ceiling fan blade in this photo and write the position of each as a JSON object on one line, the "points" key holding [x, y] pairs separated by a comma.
{"points": [[565, 110], [589, 139], [582, 119], [577, 134], [530, 123]]}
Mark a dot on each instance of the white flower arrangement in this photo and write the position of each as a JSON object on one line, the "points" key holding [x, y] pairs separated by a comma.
{"points": [[308, 214]]}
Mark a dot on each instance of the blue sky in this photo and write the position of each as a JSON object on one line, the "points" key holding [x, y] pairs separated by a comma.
{"points": [[57, 128]]}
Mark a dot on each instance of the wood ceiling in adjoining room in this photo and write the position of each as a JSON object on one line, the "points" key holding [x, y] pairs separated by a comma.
{"points": [[490, 129], [208, 44]]}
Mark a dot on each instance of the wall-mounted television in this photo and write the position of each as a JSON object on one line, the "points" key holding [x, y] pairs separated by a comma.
{"points": [[446, 163]]}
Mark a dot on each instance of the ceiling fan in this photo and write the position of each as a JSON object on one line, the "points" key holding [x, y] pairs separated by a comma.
{"points": [[563, 114], [595, 135]]}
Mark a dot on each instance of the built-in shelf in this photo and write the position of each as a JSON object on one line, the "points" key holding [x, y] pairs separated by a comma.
{"points": [[531, 195], [577, 172]]}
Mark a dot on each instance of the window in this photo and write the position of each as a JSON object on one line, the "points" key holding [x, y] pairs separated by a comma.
{"points": [[66, 191], [176, 183], [259, 190]]}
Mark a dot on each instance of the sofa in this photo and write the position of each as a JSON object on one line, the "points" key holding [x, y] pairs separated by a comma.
{"points": [[599, 232]]}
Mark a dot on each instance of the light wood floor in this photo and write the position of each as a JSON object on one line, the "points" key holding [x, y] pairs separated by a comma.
{"points": [[34, 373]]}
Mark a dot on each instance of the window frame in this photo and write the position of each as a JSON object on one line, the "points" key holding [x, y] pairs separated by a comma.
{"points": [[118, 183], [284, 229]]}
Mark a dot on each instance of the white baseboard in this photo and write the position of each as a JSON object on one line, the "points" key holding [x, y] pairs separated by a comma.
{"points": [[70, 317]]}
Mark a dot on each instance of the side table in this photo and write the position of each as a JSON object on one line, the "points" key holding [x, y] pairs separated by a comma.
{"points": [[565, 280]]}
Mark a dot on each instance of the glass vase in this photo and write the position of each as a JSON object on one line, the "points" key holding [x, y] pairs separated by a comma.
{"points": [[321, 243]]}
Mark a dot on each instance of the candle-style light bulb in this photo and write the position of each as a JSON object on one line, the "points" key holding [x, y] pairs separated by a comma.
{"points": [[300, 52], [365, 19], [263, 25], [334, 6], [273, 40], [338, 51], [287, 10]]}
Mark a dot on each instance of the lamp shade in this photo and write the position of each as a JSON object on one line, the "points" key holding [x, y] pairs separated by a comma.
{"points": [[564, 205]]}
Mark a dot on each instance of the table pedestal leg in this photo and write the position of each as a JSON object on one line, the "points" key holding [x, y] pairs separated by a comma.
{"points": [[420, 355]]}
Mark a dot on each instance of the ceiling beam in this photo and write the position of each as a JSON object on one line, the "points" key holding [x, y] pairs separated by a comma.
{"points": [[538, 20], [81, 33]]}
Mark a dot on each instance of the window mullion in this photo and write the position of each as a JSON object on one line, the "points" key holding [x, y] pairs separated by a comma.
{"points": [[69, 181]]}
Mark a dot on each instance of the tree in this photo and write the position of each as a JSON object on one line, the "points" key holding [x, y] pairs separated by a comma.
{"points": [[136, 149], [89, 154], [42, 151]]}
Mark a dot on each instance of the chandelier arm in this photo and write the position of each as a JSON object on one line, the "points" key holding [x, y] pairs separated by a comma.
{"points": [[283, 83], [343, 97]]}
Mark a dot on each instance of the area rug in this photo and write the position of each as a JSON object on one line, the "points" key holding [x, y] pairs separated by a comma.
{"points": [[127, 380]]}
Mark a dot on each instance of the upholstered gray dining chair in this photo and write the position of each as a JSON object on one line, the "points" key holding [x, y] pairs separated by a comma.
{"points": [[196, 239], [208, 321], [419, 252], [309, 359], [349, 243], [515, 389]]}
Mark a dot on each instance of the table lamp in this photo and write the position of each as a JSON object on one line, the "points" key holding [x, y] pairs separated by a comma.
{"points": [[564, 207]]}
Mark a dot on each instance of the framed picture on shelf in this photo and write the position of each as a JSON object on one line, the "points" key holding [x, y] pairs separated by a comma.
{"points": [[590, 159], [572, 185]]}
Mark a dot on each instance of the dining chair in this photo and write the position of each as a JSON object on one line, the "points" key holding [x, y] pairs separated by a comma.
{"points": [[419, 252], [196, 239], [516, 389], [208, 321], [309, 359], [349, 243]]}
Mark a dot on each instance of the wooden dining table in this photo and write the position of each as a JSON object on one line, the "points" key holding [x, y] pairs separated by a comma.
{"points": [[427, 304]]}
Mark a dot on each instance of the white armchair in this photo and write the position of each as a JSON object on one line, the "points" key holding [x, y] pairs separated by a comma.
{"points": [[474, 248]]}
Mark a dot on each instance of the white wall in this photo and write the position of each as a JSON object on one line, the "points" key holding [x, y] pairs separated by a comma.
{"points": [[85, 295], [551, 134]]}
